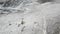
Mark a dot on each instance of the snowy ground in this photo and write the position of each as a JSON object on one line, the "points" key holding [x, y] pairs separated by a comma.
{"points": [[34, 20]]}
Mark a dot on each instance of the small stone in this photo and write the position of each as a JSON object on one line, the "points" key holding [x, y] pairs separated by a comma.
{"points": [[22, 22], [18, 25], [22, 29], [10, 24]]}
